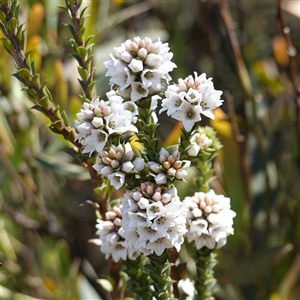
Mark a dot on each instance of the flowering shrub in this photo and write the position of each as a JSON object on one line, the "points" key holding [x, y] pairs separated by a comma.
{"points": [[150, 219]]}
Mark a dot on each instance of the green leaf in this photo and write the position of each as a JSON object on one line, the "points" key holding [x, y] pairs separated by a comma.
{"points": [[3, 28], [16, 75], [20, 32], [2, 16], [25, 74], [82, 52], [83, 73], [65, 118], [12, 24], [8, 45], [71, 29], [40, 109], [36, 81]]}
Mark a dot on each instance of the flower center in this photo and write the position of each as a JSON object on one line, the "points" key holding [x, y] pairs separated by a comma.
{"points": [[178, 103], [190, 114], [141, 90]]}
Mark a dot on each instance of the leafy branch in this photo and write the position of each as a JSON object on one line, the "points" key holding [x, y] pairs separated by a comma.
{"points": [[37, 90], [82, 47]]}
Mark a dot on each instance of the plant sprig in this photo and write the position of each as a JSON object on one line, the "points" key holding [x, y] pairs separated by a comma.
{"points": [[14, 43], [82, 47]]}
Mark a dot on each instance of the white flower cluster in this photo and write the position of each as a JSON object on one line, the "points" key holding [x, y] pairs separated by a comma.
{"points": [[209, 219], [117, 162], [191, 97], [112, 243], [153, 219], [170, 166], [138, 67], [100, 119], [199, 141]]}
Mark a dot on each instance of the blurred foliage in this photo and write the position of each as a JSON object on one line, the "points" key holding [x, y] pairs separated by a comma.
{"points": [[45, 231]]}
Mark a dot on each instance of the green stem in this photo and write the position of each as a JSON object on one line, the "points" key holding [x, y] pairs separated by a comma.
{"points": [[139, 282], [159, 272], [204, 280]]}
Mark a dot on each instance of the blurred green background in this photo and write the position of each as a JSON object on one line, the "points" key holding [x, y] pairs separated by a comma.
{"points": [[44, 229]]}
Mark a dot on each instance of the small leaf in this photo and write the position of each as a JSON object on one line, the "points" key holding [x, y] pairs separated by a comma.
{"points": [[12, 24], [83, 73], [39, 108], [65, 118], [2, 16], [8, 45], [45, 102], [71, 29], [82, 52], [36, 81], [59, 125], [80, 34], [24, 73]]}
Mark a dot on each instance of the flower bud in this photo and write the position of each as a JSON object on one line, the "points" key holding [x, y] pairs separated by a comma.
{"points": [[85, 128], [115, 163], [143, 203], [180, 174], [177, 164], [171, 172], [136, 65], [142, 53], [89, 114], [107, 170], [194, 150], [126, 56], [153, 60], [110, 215], [139, 164], [161, 178], [97, 122], [127, 166]]}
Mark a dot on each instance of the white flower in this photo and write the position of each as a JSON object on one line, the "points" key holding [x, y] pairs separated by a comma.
{"points": [[159, 245], [116, 179], [138, 91], [98, 120], [188, 114], [186, 286], [209, 219], [169, 166], [96, 141], [117, 163], [138, 65], [153, 219], [191, 97], [112, 242]]}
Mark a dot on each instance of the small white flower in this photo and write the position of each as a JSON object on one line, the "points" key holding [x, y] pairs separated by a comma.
{"points": [[116, 179], [188, 115], [138, 68], [209, 219], [158, 217], [191, 97], [138, 91], [85, 128], [187, 287]]}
